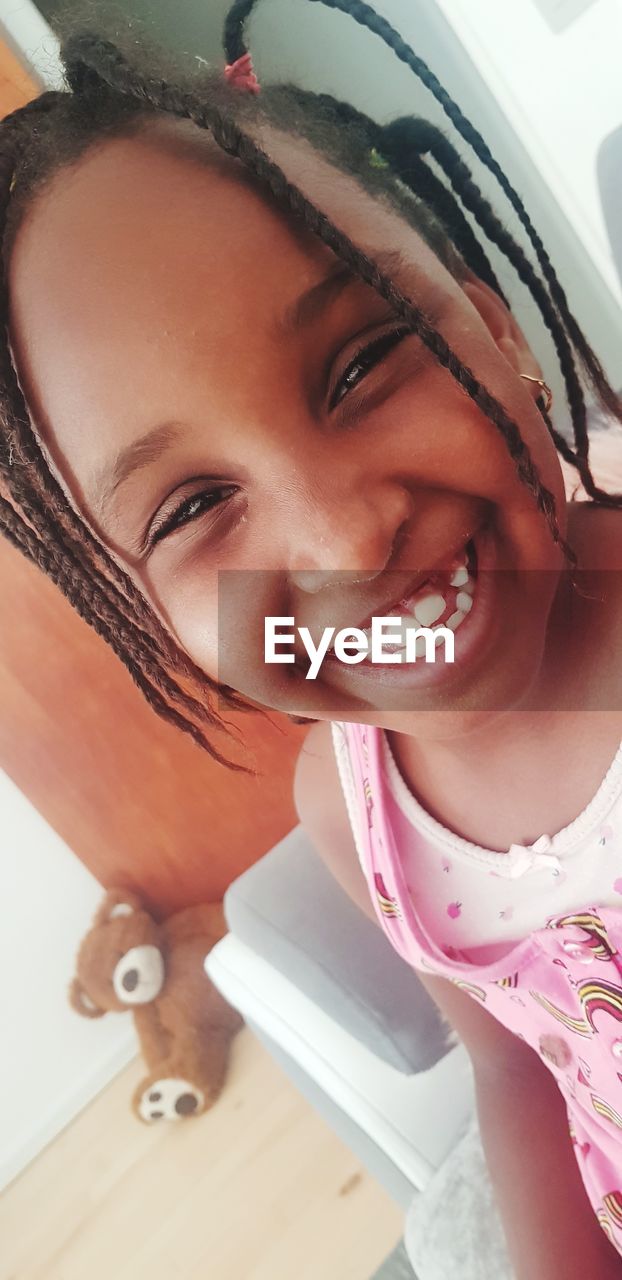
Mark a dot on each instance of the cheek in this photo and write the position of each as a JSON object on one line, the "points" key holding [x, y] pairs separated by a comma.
{"points": [[218, 618], [185, 599], [191, 611], [470, 338], [448, 444], [431, 424]]}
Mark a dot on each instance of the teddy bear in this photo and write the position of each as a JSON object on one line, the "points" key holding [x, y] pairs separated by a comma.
{"points": [[128, 961]]}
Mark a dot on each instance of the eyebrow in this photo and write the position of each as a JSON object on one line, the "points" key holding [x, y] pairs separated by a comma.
{"points": [[311, 304], [141, 453], [308, 308]]}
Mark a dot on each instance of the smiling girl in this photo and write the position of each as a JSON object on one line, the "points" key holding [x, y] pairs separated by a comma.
{"points": [[258, 364]]}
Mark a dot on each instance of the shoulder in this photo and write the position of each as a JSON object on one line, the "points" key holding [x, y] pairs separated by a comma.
{"points": [[595, 531], [322, 810], [595, 534]]}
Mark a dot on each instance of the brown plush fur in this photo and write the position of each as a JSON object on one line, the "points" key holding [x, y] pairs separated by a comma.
{"points": [[129, 962]]}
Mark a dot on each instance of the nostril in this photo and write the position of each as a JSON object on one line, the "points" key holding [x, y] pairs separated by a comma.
{"points": [[398, 542]]}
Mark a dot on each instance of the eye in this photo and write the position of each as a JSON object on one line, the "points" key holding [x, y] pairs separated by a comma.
{"points": [[169, 519], [139, 975], [365, 360]]}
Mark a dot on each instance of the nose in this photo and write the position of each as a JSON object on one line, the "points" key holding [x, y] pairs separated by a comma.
{"points": [[351, 541]]}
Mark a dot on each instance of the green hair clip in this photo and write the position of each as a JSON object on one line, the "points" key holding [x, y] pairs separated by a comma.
{"points": [[376, 160]]}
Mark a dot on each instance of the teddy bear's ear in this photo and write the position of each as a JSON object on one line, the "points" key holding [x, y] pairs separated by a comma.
{"points": [[80, 1000], [117, 902]]}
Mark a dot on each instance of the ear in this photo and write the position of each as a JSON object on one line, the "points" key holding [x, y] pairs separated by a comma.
{"points": [[117, 902], [502, 326], [80, 1000]]}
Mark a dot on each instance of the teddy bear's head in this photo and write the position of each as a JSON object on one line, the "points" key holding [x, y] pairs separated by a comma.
{"points": [[120, 963]]}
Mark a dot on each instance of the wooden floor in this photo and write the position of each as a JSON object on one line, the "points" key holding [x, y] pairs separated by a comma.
{"points": [[257, 1189]]}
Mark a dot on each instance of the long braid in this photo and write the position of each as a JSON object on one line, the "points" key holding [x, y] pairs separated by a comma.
{"points": [[36, 490], [466, 188], [150, 678], [233, 33], [402, 143], [20, 448], [406, 141], [462, 181], [45, 506], [40, 497], [107, 600], [64, 569], [412, 169], [88, 57], [374, 22], [399, 141]]}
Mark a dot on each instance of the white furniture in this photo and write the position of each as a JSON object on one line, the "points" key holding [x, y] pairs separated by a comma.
{"points": [[349, 1021], [413, 1120]]}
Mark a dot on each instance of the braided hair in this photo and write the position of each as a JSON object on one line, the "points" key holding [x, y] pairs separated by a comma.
{"points": [[109, 94], [406, 142]]}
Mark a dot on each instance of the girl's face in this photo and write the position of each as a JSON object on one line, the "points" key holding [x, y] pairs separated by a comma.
{"points": [[191, 359]]}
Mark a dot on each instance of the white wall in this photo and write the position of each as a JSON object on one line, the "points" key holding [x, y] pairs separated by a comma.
{"points": [[53, 1061], [30, 37]]}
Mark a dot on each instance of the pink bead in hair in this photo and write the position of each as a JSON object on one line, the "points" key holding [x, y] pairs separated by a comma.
{"points": [[240, 74]]}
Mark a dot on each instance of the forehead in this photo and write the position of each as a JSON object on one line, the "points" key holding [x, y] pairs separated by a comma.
{"points": [[120, 225], [155, 250]]}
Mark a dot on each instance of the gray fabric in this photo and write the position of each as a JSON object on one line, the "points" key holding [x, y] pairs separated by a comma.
{"points": [[379, 1164], [290, 910], [453, 1228], [396, 1267]]}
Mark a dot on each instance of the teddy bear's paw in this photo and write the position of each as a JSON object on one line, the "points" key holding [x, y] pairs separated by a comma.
{"points": [[170, 1098]]}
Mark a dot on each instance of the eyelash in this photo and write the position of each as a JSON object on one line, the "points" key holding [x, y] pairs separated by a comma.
{"points": [[176, 519], [366, 359]]}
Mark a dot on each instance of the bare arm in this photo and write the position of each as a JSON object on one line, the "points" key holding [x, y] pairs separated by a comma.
{"points": [[550, 1226], [549, 1223]]}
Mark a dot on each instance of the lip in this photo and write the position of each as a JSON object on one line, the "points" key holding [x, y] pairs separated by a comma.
{"points": [[401, 603], [473, 636]]}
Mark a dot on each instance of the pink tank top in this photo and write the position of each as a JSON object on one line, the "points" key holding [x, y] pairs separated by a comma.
{"points": [[559, 987]]}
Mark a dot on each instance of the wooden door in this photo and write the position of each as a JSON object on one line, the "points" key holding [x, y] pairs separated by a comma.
{"points": [[140, 804]]}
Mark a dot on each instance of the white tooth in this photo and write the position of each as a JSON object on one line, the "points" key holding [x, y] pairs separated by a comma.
{"points": [[464, 601], [438, 639], [398, 638], [420, 647], [456, 618], [460, 577], [429, 609]]}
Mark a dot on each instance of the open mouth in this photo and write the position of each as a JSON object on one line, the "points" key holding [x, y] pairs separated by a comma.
{"points": [[443, 600]]}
